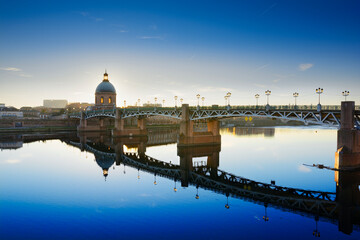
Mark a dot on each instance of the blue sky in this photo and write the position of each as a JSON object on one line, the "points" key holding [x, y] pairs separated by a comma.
{"points": [[59, 50]]}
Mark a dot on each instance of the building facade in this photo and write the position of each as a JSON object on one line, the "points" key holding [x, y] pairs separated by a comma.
{"points": [[105, 94], [51, 103]]}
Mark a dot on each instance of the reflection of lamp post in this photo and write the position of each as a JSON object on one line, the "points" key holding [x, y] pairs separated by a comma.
{"points": [[345, 94], [295, 95], [175, 189], [176, 97], [265, 217], [257, 99], [198, 97], [155, 183], [316, 232], [227, 201], [197, 192], [124, 169], [203, 99], [319, 91], [138, 173]]}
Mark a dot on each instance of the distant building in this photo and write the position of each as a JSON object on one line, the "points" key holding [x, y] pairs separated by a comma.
{"points": [[55, 103], [10, 112], [77, 106], [105, 94]]}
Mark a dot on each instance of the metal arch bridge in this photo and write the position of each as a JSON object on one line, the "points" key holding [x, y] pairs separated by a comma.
{"points": [[293, 199], [324, 117]]}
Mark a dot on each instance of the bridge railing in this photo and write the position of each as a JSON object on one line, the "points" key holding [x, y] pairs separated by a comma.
{"points": [[216, 107]]}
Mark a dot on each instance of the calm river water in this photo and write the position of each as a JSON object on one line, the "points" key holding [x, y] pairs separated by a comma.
{"points": [[50, 189]]}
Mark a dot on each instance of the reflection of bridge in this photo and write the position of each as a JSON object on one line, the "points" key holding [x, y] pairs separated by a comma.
{"points": [[209, 177]]}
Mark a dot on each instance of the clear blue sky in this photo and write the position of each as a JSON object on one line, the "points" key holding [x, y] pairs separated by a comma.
{"points": [[59, 50]]}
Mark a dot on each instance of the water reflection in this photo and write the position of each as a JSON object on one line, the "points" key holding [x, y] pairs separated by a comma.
{"points": [[341, 208]]}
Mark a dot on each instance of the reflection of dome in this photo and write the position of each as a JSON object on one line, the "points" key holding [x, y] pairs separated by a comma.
{"points": [[105, 163], [105, 86]]}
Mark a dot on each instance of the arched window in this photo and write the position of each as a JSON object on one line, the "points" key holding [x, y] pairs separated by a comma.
{"points": [[102, 100], [110, 100]]}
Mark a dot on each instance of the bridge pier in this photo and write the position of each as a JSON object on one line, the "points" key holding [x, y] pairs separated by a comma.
{"points": [[121, 131], [187, 135], [348, 140]]}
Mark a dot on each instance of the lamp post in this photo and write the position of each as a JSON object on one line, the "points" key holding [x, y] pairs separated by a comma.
{"points": [[228, 94], [225, 97], [181, 101], [267, 93], [295, 95], [257, 99], [155, 102], [345, 94], [163, 102], [198, 97], [124, 103], [138, 104], [176, 97], [203, 100], [319, 91]]}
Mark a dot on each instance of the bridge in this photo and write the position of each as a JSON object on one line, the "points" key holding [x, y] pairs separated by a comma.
{"points": [[302, 114], [188, 115]]}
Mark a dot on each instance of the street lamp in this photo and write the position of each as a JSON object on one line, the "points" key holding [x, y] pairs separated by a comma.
{"points": [[228, 95], [267, 93], [176, 97], [295, 95], [203, 99], [155, 100], [198, 97], [319, 91], [345, 94], [181, 101], [163, 102], [257, 99], [226, 99], [124, 103]]}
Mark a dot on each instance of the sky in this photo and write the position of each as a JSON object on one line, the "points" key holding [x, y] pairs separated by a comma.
{"points": [[60, 50]]}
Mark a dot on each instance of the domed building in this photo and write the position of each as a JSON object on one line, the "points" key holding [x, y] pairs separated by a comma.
{"points": [[105, 94]]}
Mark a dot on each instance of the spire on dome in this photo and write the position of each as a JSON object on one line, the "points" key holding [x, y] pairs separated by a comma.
{"points": [[106, 78]]}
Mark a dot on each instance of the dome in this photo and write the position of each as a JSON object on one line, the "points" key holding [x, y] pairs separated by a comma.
{"points": [[105, 86]]}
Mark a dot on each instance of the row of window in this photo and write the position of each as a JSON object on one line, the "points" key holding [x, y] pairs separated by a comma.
{"points": [[102, 100]]}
